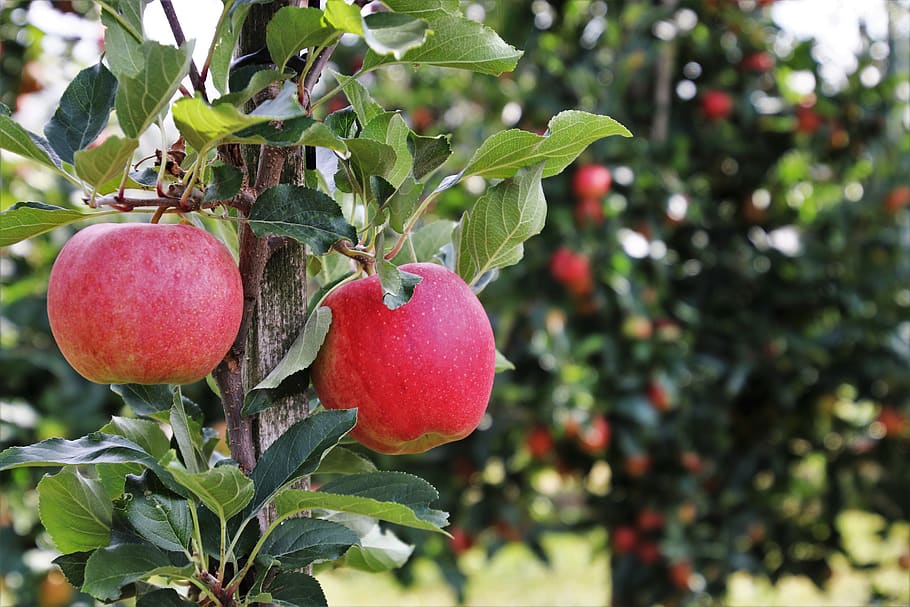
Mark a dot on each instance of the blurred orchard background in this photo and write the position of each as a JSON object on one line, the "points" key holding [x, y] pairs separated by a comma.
{"points": [[711, 394]]}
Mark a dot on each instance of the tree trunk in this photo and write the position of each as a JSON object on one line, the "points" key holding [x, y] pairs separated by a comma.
{"points": [[279, 312]]}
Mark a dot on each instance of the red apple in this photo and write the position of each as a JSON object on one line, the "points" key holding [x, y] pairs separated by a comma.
{"points": [[589, 211], [897, 199], [650, 520], [420, 375], [624, 539], [659, 396], [760, 61], [461, 541], [637, 464], [892, 420], [596, 438], [592, 181], [573, 270], [648, 553], [539, 442], [807, 120], [679, 573], [144, 303], [716, 105]]}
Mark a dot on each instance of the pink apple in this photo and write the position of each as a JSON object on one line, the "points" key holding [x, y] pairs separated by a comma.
{"points": [[144, 303], [592, 181], [420, 375]]}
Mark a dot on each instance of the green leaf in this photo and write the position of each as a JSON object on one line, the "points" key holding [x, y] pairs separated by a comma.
{"points": [[163, 597], [394, 497], [75, 511], [503, 363], [430, 153], [259, 80], [24, 220], [390, 128], [83, 112], [303, 351], [397, 285], [458, 43], [123, 36], [343, 16], [162, 520], [96, 448], [294, 132], [306, 215], [569, 133], [110, 569], [298, 452], [73, 566], [143, 95], [425, 8], [427, 241], [293, 29], [16, 139], [293, 589], [188, 434], [145, 399], [378, 549], [370, 158], [226, 38], [144, 433], [298, 542], [106, 161], [404, 203], [224, 490], [341, 460], [364, 106], [204, 125], [225, 184], [492, 232], [394, 33]]}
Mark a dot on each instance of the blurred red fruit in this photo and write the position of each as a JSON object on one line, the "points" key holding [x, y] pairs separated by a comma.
{"points": [[539, 442], [461, 540], [758, 62], [659, 396], [807, 120], [716, 105], [589, 211], [648, 553], [893, 421], [624, 539], [679, 574], [650, 520], [572, 270], [592, 181], [596, 437], [897, 199], [637, 465]]}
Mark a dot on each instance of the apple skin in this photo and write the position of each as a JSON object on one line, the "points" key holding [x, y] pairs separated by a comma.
{"points": [[421, 375], [592, 181], [144, 303]]}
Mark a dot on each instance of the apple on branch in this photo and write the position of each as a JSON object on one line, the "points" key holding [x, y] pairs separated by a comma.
{"points": [[144, 303], [419, 375]]}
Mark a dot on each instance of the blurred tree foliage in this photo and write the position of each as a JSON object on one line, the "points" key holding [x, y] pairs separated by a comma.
{"points": [[738, 374], [748, 335]]}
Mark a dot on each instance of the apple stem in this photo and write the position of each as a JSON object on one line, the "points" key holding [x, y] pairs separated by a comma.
{"points": [[157, 216], [366, 260]]}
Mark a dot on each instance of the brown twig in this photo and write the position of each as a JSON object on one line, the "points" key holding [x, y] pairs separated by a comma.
{"points": [[179, 38]]}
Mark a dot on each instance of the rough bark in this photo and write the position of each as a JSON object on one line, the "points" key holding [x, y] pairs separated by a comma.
{"points": [[279, 311]]}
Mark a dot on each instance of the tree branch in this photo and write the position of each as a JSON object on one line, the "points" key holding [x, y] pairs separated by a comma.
{"points": [[174, 22]]}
